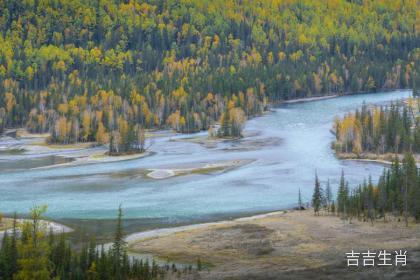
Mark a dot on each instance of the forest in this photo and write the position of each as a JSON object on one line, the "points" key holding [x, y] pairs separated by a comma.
{"points": [[104, 70], [27, 252], [392, 128], [397, 193]]}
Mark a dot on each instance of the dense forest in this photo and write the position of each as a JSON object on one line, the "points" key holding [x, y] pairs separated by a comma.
{"points": [[396, 193], [393, 128], [28, 253], [94, 70]]}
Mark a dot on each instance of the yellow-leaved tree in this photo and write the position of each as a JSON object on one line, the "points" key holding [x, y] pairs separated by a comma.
{"points": [[33, 249]]}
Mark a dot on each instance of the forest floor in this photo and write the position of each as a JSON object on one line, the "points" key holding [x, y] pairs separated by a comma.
{"points": [[291, 244]]}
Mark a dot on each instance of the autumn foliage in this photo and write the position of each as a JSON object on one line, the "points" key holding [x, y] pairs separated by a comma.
{"points": [[75, 68], [380, 129]]}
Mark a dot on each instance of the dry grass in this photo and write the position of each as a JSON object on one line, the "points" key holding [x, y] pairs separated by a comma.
{"points": [[282, 242]]}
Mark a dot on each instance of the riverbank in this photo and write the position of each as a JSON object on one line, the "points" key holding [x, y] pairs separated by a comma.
{"points": [[5, 223], [47, 226], [279, 243], [268, 183], [94, 158], [308, 99], [385, 159], [83, 156], [76, 154]]}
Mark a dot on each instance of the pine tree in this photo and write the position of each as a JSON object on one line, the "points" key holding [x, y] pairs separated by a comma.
{"points": [[300, 201], [328, 195], [333, 207], [118, 247], [370, 201], [397, 189], [383, 194], [416, 199], [38, 256], [8, 253], [342, 195], [410, 185], [13, 255], [33, 250], [92, 274], [225, 124], [317, 196], [104, 270], [5, 270], [328, 192]]}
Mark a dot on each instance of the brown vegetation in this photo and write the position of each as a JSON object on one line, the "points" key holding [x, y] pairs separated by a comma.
{"points": [[275, 245]]}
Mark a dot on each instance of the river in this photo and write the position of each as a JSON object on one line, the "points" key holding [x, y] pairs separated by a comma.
{"points": [[284, 148]]}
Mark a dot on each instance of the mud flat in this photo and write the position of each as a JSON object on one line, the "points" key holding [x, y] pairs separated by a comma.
{"points": [[283, 245]]}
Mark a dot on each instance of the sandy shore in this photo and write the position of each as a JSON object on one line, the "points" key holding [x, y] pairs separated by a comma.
{"points": [[81, 153], [135, 237], [206, 168], [95, 158], [5, 223], [308, 99], [46, 226], [385, 159], [280, 245]]}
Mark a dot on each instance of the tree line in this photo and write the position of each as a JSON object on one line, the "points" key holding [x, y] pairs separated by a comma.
{"points": [[380, 129], [84, 70], [27, 252], [396, 193]]}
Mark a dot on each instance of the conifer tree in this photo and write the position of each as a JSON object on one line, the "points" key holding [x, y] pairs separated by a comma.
{"points": [[333, 207], [317, 196], [342, 195], [328, 195], [328, 192], [38, 256], [410, 185], [118, 247], [300, 201], [5, 269], [92, 274], [33, 249]]}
